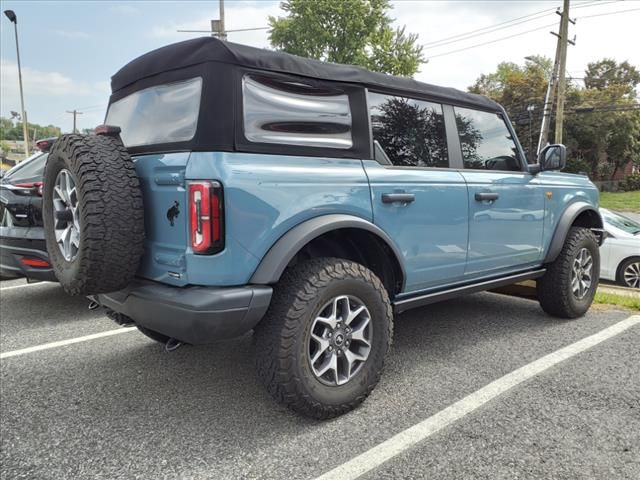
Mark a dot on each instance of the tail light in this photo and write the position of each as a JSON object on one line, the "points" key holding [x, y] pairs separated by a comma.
{"points": [[206, 217], [37, 186]]}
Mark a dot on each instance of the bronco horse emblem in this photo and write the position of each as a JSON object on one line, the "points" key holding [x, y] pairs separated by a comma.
{"points": [[173, 213]]}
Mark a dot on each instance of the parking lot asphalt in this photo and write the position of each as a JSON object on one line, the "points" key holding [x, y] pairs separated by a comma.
{"points": [[121, 407]]}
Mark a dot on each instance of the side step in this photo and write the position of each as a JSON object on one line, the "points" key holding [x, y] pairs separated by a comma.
{"points": [[400, 306]]}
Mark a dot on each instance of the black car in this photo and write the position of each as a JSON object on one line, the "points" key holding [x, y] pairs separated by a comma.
{"points": [[23, 251]]}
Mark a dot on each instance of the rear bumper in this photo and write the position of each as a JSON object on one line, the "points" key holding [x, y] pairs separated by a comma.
{"points": [[192, 314], [12, 250]]}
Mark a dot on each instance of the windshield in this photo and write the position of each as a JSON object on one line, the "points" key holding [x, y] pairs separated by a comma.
{"points": [[157, 115], [621, 222], [32, 167]]}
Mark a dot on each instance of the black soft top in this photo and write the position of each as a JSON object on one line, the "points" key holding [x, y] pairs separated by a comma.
{"points": [[209, 49]]}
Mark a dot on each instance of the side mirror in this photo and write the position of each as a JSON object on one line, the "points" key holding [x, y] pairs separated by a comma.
{"points": [[553, 157]]}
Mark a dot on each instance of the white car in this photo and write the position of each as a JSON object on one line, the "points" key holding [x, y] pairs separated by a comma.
{"points": [[620, 252]]}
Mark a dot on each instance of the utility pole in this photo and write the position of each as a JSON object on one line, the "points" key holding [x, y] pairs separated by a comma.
{"points": [[557, 77], [74, 113], [562, 70], [217, 26], [548, 102]]}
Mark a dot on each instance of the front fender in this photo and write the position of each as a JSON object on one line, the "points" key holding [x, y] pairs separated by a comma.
{"points": [[282, 252], [567, 219]]}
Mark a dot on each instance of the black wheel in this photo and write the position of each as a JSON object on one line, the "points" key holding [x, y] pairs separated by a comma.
{"points": [[629, 273], [93, 215], [569, 285], [322, 344], [153, 335]]}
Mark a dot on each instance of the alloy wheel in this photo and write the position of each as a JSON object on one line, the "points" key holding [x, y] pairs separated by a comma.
{"points": [[340, 340], [631, 275], [582, 273], [67, 213]]}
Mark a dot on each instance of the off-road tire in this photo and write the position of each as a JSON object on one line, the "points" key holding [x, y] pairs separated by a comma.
{"points": [[153, 335], [281, 337], [554, 288], [111, 214]]}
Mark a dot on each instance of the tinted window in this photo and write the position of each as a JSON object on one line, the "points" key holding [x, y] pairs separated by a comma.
{"points": [[29, 169], [161, 114], [410, 132], [294, 113], [486, 141]]}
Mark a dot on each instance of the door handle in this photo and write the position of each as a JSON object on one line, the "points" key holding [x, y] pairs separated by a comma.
{"points": [[398, 197], [486, 196]]}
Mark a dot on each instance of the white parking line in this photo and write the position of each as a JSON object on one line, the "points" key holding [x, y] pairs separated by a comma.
{"points": [[26, 285], [408, 438], [62, 343]]}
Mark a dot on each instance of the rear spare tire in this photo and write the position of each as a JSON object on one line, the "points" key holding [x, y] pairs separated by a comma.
{"points": [[93, 214]]}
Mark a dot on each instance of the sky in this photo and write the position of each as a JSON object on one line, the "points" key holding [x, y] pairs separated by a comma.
{"points": [[70, 49]]}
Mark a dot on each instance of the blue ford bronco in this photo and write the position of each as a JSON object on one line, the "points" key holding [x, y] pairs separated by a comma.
{"points": [[235, 189]]}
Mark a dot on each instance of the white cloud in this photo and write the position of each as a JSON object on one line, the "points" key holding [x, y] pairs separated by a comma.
{"points": [[49, 94], [124, 9], [598, 37], [434, 20], [42, 83], [72, 35]]}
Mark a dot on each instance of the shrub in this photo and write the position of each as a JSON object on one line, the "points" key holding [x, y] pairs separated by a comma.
{"points": [[632, 182]]}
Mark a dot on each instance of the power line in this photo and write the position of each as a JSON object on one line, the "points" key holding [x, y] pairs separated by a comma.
{"points": [[490, 42], [506, 24], [523, 33], [446, 39], [610, 13], [91, 107], [227, 31]]}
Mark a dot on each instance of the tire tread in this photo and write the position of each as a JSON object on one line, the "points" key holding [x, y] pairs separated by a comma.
{"points": [[276, 334]]}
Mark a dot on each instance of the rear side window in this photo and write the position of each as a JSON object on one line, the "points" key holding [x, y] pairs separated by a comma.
{"points": [[159, 114], [410, 132], [294, 113], [486, 141]]}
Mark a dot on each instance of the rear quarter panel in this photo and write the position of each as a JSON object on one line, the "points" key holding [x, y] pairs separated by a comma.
{"points": [[265, 196]]}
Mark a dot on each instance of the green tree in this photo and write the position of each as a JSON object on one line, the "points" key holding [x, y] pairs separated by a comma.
{"points": [[356, 32], [13, 131], [607, 73], [599, 141], [521, 90], [602, 141]]}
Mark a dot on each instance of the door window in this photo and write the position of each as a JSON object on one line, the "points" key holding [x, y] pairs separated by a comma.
{"points": [[410, 132], [486, 141]]}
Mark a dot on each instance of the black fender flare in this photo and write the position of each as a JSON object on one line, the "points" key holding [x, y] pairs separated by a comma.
{"points": [[282, 251], [564, 224]]}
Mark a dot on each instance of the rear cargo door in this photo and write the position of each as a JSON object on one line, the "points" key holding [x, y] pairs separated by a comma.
{"points": [[165, 206]]}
